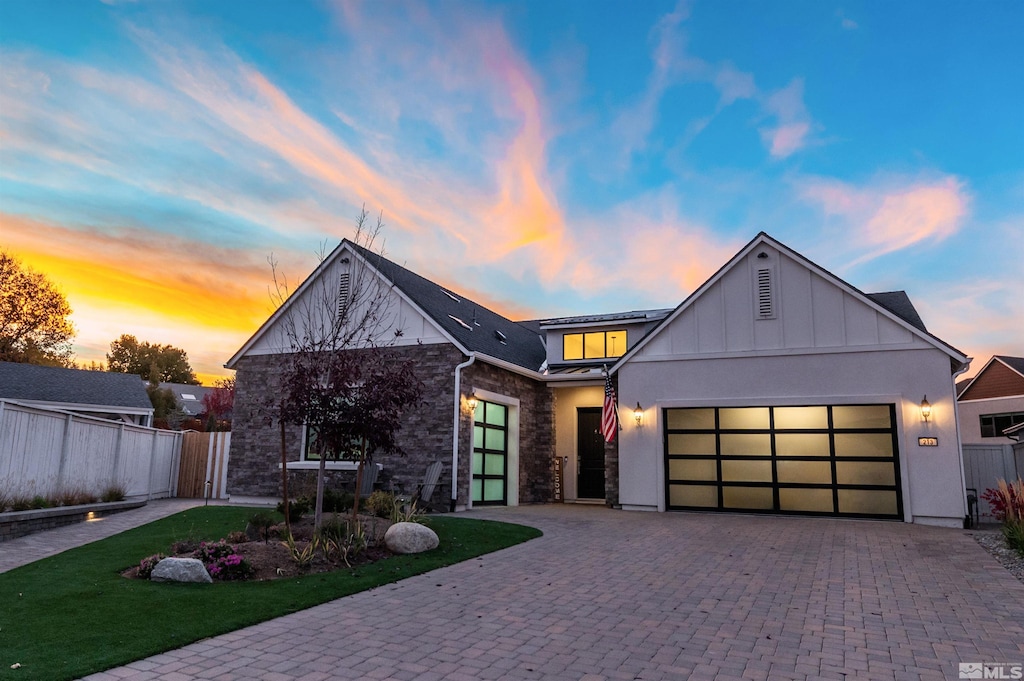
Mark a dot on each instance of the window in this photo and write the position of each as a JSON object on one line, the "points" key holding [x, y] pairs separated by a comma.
{"points": [[593, 345], [993, 425]]}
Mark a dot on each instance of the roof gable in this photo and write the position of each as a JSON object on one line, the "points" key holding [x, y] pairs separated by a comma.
{"points": [[1002, 376], [58, 385], [779, 300], [428, 313]]}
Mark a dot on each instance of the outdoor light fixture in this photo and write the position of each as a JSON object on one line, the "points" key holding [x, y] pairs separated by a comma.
{"points": [[926, 409], [472, 401], [638, 413]]}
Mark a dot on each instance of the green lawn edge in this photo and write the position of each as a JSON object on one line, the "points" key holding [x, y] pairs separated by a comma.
{"points": [[72, 614]]}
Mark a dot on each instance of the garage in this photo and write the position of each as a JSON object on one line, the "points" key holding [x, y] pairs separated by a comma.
{"points": [[835, 460]]}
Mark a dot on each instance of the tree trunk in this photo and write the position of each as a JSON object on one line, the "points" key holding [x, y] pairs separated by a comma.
{"points": [[284, 482], [318, 516], [359, 482]]}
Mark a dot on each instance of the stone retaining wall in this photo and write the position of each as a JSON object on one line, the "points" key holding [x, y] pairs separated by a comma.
{"points": [[14, 524]]}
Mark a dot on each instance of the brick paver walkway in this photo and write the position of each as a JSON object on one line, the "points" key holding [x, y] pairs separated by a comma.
{"points": [[33, 547], [617, 595]]}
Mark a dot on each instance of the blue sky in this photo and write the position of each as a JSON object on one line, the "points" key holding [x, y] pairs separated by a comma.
{"points": [[547, 158]]}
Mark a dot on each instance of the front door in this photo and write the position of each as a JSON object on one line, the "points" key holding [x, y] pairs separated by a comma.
{"points": [[490, 454], [590, 454]]}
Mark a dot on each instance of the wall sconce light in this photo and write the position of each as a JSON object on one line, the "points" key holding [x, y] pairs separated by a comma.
{"points": [[638, 413], [926, 409], [472, 401]]}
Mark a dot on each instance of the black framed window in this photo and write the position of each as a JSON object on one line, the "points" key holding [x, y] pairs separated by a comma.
{"points": [[993, 425]]}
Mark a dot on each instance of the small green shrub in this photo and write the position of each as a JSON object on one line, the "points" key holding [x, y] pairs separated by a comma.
{"points": [[1013, 532], [337, 501], [381, 504], [259, 526], [147, 564], [406, 512], [302, 555], [39, 501], [296, 508]]}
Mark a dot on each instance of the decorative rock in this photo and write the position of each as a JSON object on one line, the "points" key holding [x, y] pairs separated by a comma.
{"points": [[181, 570], [410, 538]]}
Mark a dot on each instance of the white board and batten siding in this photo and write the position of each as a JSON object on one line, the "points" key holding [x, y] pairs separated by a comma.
{"points": [[316, 301], [44, 450], [806, 340]]}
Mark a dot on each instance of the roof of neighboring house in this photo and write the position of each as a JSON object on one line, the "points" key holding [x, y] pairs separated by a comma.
{"points": [[60, 386], [189, 397], [1002, 376], [470, 324]]}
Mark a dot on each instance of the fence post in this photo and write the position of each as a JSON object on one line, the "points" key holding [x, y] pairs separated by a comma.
{"points": [[152, 463], [179, 438], [114, 476], [64, 451]]}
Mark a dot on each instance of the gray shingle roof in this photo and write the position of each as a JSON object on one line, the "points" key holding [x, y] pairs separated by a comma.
{"points": [[898, 302], [475, 327], [1015, 363], [72, 386], [192, 407]]}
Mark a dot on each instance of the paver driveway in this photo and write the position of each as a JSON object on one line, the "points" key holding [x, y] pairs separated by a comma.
{"points": [[617, 595]]}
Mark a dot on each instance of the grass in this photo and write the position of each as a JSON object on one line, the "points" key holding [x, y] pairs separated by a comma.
{"points": [[73, 614]]}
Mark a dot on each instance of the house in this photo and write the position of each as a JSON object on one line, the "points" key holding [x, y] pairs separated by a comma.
{"points": [[776, 387], [992, 402], [188, 397], [116, 396]]}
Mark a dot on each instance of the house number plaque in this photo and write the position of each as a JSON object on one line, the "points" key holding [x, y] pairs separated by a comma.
{"points": [[927, 442]]}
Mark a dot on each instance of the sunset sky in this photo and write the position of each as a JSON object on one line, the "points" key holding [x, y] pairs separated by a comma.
{"points": [[545, 158]]}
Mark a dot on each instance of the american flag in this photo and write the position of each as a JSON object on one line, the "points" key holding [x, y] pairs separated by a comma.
{"points": [[609, 413]]}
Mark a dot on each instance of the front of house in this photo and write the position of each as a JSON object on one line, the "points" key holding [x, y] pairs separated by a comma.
{"points": [[776, 387]]}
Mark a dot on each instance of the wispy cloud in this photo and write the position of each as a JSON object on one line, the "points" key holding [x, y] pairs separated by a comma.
{"points": [[893, 213], [792, 123]]}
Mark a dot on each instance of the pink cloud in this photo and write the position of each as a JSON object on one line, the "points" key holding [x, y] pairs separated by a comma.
{"points": [[790, 134]]}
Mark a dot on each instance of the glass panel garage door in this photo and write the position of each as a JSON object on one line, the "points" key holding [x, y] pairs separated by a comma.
{"points": [[837, 460]]}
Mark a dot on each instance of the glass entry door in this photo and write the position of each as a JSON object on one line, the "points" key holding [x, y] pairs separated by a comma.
{"points": [[490, 455]]}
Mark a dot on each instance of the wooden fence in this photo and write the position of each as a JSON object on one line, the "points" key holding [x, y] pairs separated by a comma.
{"points": [[204, 458], [45, 450], [984, 465]]}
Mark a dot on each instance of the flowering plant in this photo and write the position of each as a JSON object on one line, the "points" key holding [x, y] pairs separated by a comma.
{"points": [[1007, 500], [222, 561], [147, 564]]}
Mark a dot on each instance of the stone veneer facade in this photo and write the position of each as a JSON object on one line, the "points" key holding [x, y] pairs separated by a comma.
{"points": [[426, 435]]}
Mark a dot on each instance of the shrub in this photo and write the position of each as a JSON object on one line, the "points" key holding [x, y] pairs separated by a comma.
{"points": [[296, 508], [72, 496], [1013, 532], [115, 491], [337, 501], [147, 564], [39, 501], [184, 546], [259, 526], [20, 503], [237, 537], [5, 500], [222, 561], [381, 504], [1006, 500]]}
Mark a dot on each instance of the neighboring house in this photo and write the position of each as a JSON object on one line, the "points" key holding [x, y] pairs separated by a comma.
{"points": [[775, 387], [992, 402], [189, 397], [92, 393]]}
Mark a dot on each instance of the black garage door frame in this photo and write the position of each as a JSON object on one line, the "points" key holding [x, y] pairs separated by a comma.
{"points": [[717, 458]]}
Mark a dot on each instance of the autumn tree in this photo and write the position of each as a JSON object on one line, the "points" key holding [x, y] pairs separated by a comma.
{"points": [[151, 361], [34, 326], [218, 405], [342, 379]]}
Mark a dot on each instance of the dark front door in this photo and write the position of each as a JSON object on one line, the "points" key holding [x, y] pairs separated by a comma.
{"points": [[590, 453]]}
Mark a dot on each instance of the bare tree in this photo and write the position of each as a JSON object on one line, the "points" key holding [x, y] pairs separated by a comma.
{"points": [[340, 378]]}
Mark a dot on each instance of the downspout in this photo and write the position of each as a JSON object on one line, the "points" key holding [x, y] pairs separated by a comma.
{"points": [[956, 422], [455, 428]]}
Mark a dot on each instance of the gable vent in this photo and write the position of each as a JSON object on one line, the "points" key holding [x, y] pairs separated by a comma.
{"points": [[344, 291], [765, 309]]}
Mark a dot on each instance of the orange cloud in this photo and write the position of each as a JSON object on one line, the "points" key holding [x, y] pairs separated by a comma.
{"points": [[162, 288]]}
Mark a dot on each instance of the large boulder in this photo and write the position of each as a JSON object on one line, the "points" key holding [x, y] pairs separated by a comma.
{"points": [[410, 538], [181, 570]]}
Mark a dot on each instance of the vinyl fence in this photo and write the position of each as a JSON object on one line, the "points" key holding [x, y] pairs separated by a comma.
{"points": [[45, 450], [984, 465]]}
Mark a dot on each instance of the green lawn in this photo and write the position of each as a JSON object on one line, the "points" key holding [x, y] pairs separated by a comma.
{"points": [[73, 614]]}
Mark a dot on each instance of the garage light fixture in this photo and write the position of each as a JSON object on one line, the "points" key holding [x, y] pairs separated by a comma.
{"points": [[472, 401], [926, 409], [638, 413]]}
